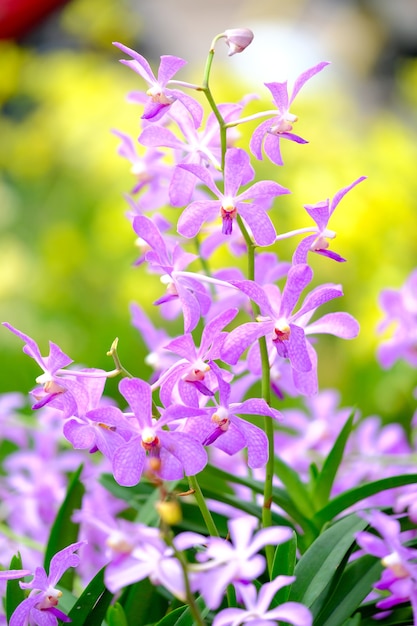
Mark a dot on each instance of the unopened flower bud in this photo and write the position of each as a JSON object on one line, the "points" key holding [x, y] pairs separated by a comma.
{"points": [[170, 512], [238, 39]]}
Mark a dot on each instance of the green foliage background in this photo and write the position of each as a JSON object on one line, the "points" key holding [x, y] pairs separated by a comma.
{"points": [[66, 271]]}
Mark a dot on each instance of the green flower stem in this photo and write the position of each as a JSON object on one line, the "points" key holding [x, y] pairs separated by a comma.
{"points": [[119, 367], [197, 618], [266, 395], [207, 92], [205, 512]]}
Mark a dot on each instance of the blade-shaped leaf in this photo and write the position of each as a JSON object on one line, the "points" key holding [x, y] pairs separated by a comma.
{"points": [[353, 587], [316, 569], [348, 498], [182, 616], [284, 564], [91, 607], [14, 594], [325, 479], [116, 616], [64, 531], [142, 603], [295, 487]]}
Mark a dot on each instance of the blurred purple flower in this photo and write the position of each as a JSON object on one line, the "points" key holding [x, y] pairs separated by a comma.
{"points": [[400, 309], [270, 132], [321, 214], [160, 96], [257, 604]]}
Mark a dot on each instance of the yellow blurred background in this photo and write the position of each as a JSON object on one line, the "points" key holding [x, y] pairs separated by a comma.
{"points": [[68, 250]]}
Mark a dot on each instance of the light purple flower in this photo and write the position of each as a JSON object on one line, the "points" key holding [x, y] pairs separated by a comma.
{"points": [[160, 96], [191, 376], [400, 310], [195, 147], [249, 204], [321, 214], [186, 289], [270, 132], [222, 427], [238, 39], [257, 605], [40, 607], [400, 573], [288, 330], [152, 175], [224, 562], [170, 453], [63, 389]]}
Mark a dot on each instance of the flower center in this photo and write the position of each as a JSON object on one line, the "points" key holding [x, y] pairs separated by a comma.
{"points": [[393, 562], [197, 372], [284, 124], [149, 439], [157, 95], [228, 212], [221, 418], [282, 330]]}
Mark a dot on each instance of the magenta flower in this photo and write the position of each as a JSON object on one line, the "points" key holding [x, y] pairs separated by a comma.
{"points": [[224, 562], [321, 213], [40, 607], [222, 427], [194, 299], [400, 310], [400, 574], [171, 454], [270, 132], [160, 96], [257, 610], [191, 375], [238, 39], [288, 330], [250, 204], [64, 389], [195, 147]]}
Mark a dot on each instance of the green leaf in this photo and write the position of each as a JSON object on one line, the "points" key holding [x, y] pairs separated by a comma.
{"points": [[142, 603], [353, 587], [64, 531], [298, 490], [90, 609], [14, 594], [324, 559], [284, 564], [116, 616], [182, 616], [324, 482], [348, 498]]}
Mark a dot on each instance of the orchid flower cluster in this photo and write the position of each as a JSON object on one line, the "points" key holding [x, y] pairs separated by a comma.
{"points": [[199, 501]]}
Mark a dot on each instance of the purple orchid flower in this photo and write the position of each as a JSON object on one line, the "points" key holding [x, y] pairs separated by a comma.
{"points": [[171, 453], [191, 375], [257, 605], [151, 174], [196, 147], [288, 330], [399, 576], [400, 309], [63, 389], [222, 427], [40, 607], [270, 132], [321, 214], [224, 562], [161, 97], [193, 297], [237, 172]]}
